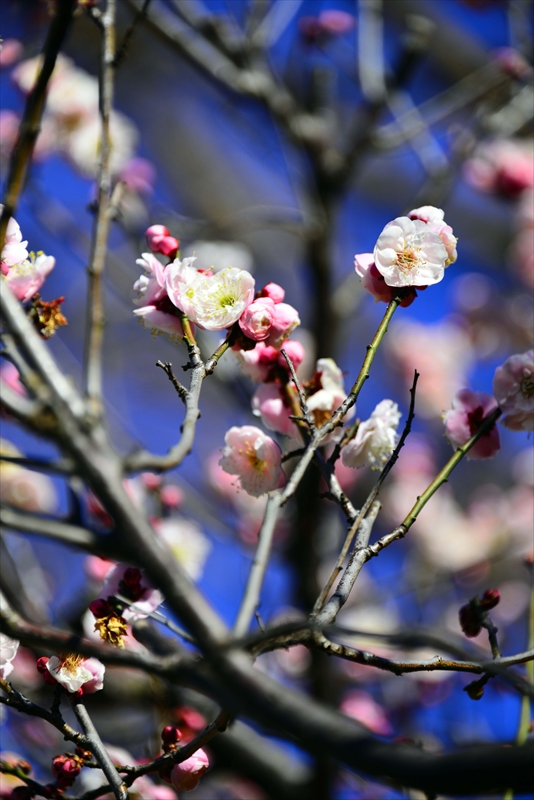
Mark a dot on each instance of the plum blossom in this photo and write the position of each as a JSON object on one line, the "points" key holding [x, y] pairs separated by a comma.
{"points": [[83, 144], [274, 291], [504, 166], [75, 672], [469, 409], [375, 438], [8, 651], [362, 707], [434, 218], [24, 488], [254, 457], [325, 393], [14, 250], [285, 320], [27, 277], [257, 319], [270, 403], [265, 363], [513, 387], [375, 284], [409, 253], [155, 308], [132, 584], [187, 542], [213, 302], [160, 240], [186, 775]]}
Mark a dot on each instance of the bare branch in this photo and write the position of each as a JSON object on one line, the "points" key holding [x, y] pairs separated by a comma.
{"points": [[94, 744]]}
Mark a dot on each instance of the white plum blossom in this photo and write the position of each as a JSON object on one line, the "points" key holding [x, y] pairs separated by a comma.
{"points": [[74, 672], [187, 542], [8, 651], [255, 458], [213, 302], [375, 438], [14, 250], [409, 253], [329, 393], [82, 145], [155, 308], [26, 278], [513, 387]]}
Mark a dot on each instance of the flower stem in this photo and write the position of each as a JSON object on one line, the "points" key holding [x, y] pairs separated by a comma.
{"points": [[373, 347]]}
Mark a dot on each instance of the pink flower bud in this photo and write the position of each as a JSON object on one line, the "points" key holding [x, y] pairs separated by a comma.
{"points": [[170, 736], [295, 352], [257, 319], [151, 481], [469, 410], [274, 291], [66, 769], [160, 240], [171, 496], [285, 320], [186, 776], [490, 599]]}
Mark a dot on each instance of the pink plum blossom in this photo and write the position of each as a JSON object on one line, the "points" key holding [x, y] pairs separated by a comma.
{"points": [[131, 584], [139, 175], [171, 495], [255, 458], [14, 250], [434, 218], [375, 438], [10, 52], [257, 319], [10, 375], [469, 409], [160, 240], [75, 673], [513, 387], [155, 308], [263, 362], [505, 166], [26, 278], [8, 651], [213, 302], [285, 320], [274, 291], [186, 775], [361, 707], [295, 351], [325, 394], [22, 487], [270, 403], [409, 253], [375, 284]]}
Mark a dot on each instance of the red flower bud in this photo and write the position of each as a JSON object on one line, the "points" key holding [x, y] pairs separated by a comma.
{"points": [[170, 736], [100, 608], [132, 576], [490, 599], [66, 768], [470, 620], [41, 668]]}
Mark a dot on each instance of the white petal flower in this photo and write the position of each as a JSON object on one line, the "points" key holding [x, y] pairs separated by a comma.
{"points": [[187, 542], [375, 439], [8, 651], [212, 302], [255, 458], [409, 253], [70, 673]]}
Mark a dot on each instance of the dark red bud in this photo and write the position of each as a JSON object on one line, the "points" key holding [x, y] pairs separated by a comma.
{"points": [[100, 608], [490, 599], [41, 664], [132, 576], [470, 620], [170, 736]]}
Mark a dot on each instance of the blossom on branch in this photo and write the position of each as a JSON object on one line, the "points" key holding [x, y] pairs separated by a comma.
{"points": [[14, 250], [375, 438], [186, 775], [434, 218], [325, 392], [375, 284], [26, 278], [469, 410], [76, 672], [130, 583], [257, 319], [255, 458], [155, 308], [271, 404], [159, 240], [513, 387], [409, 253], [8, 651]]}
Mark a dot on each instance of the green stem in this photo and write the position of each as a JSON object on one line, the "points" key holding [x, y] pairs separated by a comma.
{"points": [[373, 347], [188, 331], [214, 359]]}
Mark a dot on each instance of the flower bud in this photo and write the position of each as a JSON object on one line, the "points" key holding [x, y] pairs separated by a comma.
{"points": [[160, 240], [132, 576], [151, 481], [170, 736], [43, 670], [295, 352], [475, 690], [66, 769], [286, 319], [171, 496], [100, 608], [470, 619], [274, 291], [186, 776], [490, 599], [257, 319]]}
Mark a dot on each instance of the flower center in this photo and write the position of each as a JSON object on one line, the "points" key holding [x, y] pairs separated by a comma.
{"points": [[254, 460], [527, 387], [409, 258], [71, 663]]}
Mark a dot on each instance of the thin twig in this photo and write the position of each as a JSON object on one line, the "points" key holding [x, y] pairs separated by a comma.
{"points": [[302, 397], [97, 260], [123, 47], [181, 390], [94, 744], [33, 112], [19, 702]]}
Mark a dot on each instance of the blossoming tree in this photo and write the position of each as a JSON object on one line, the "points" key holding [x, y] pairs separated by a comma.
{"points": [[146, 657]]}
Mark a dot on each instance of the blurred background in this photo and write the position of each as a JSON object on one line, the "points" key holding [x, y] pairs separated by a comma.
{"points": [[281, 137]]}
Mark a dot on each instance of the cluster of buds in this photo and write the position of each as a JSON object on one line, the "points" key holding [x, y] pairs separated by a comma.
{"points": [[186, 775], [267, 319], [159, 240], [474, 614], [66, 769]]}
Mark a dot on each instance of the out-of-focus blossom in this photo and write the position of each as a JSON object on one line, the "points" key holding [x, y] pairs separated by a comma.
{"points": [[14, 250], [270, 403], [75, 672], [8, 651], [27, 277], [187, 542], [10, 376], [361, 707], [160, 240], [189, 721], [274, 292], [513, 387], [254, 457], [441, 353], [212, 302], [22, 487], [409, 253], [84, 142], [139, 175], [10, 782], [257, 319], [285, 320], [375, 284], [171, 496], [265, 363], [9, 128], [325, 392], [10, 52], [186, 776], [469, 410], [216, 256], [505, 166], [375, 438], [131, 584], [329, 23], [512, 62], [155, 307]]}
